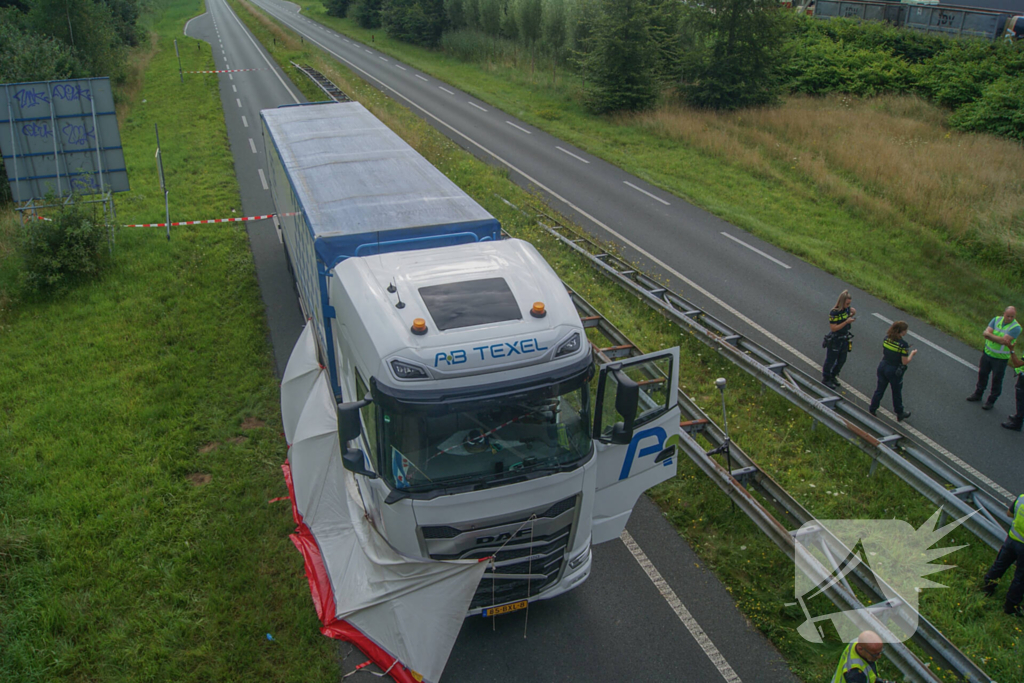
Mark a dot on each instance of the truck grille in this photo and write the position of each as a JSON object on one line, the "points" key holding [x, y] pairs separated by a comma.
{"points": [[528, 555]]}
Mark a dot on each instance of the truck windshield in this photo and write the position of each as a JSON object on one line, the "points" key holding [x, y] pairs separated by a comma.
{"points": [[467, 443]]}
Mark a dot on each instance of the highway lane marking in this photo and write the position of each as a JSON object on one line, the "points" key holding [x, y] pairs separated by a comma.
{"points": [[473, 104], [253, 145], [277, 226], [640, 189], [255, 45], [231, 77], [369, 51], [263, 179], [234, 88], [239, 102], [185, 30], [792, 350], [679, 608], [383, 59], [421, 78], [446, 90], [519, 128], [578, 158], [400, 67], [757, 251], [245, 122], [938, 348]]}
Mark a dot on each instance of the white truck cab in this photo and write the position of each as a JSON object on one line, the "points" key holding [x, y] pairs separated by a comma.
{"points": [[476, 423]]}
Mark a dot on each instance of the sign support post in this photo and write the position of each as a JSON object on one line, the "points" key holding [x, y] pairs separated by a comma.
{"points": [[179, 61], [163, 183]]}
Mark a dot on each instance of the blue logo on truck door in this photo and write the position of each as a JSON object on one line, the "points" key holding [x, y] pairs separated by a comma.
{"points": [[487, 352], [655, 437]]}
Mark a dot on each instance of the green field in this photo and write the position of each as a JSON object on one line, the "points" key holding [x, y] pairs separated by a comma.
{"points": [[140, 438]]}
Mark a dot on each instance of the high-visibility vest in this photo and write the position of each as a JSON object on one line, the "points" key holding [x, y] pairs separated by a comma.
{"points": [[851, 661], [1017, 530], [995, 349]]}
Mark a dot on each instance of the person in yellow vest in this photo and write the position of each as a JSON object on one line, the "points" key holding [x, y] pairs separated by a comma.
{"points": [[1000, 335], [1017, 419], [1012, 551], [839, 340], [857, 665], [896, 355]]}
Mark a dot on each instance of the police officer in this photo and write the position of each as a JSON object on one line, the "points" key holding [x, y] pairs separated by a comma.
{"points": [[838, 342], [1015, 421], [1000, 335], [896, 355], [857, 665], [1012, 551]]}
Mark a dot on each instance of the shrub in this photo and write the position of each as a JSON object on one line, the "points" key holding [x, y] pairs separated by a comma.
{"points": [[69, 248], [825, 67], [999, 110]]}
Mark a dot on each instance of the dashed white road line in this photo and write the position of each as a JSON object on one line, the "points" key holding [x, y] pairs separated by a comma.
{"points": [[368, 51], [245, 122], [519, 128], [640, 189], [474, 104], [757, 251], [231, 77], [680, 609], [265, 59], [253, 146], [446, 90], [263, 179], [938, 348], [383, 59], [234, 88], [574, 156], [239, 102], [399, 66], [422, 78]]}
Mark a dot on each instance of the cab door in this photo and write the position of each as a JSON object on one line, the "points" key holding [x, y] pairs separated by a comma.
{"points": [[636, 430]]}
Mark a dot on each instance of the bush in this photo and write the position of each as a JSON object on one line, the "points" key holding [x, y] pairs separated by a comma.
{"points": [[824, 67], [68, 249], [999, 110]]}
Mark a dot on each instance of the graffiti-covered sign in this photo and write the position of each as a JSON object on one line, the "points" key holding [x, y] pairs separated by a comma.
{"points": [[61, 137]]}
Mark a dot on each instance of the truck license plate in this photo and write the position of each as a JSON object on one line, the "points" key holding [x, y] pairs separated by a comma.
{"points": [[504, 609]]}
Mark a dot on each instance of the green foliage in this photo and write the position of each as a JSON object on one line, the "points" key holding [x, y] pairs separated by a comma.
{"points": [[823, 67], [26, 56], [959, 74], [367, 13], [66, 250], [735, 62], [89, 29], [622, 58], [999, 110], [419, 22], [337, 8]]}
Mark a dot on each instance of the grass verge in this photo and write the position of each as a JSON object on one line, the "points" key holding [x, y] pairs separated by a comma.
{"points": [[939, 232], [140, 438], [824, 472]]}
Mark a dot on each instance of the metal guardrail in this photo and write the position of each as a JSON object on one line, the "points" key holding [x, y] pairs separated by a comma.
{"points": [[331, 90], [914, 463], [738, 483]]}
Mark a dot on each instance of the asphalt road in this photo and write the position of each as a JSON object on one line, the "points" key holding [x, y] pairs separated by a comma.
{"points": [[620, 625], [769, 295]]}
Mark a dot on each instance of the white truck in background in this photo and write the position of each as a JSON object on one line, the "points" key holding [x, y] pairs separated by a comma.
{"points": [[475, 423]]}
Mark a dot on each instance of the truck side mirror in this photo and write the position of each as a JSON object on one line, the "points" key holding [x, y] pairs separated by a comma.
{"points": [[349, 429], [627, 399]]}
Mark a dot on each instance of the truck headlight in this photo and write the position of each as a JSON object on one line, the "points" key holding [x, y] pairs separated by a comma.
{"points": [[404, 370], [575, 562], [570, 345]]}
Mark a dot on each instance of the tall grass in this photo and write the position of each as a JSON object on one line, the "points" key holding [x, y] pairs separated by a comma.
{"points": [[891, 157]]}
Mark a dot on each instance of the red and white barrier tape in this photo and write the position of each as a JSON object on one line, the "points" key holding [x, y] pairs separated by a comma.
{"points": [[222, 71], [214, 220]]}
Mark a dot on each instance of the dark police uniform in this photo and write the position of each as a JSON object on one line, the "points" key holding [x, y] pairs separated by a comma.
{"points": [[838, 346], [1016, 420], [890, 374], [1012, 551]]}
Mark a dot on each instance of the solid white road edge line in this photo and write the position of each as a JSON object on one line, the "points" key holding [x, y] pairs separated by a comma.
{"points": [[654, 259], [185, 30], [680, 609], [757, 251], [256, 45]]}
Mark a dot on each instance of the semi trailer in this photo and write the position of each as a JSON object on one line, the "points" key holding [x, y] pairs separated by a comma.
{"points": [[926, 16], [472, 421]]}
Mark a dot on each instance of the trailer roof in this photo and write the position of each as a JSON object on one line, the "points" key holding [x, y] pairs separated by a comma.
{"points": [[356, 180]]}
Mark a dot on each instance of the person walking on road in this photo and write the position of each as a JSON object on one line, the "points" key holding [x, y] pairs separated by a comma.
{"points": [[1012, 551], [1015, 421], [1000, 335], [838, 342], [858, 662], [896, 355]]}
